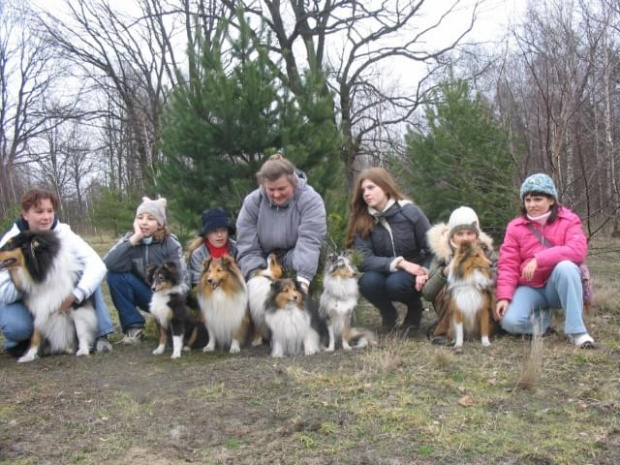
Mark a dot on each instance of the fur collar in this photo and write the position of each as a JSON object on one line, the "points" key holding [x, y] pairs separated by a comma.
{"points": [[439, 242]]}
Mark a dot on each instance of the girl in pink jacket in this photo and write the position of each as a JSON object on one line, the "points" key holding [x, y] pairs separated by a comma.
{"points": [[534, 278]]}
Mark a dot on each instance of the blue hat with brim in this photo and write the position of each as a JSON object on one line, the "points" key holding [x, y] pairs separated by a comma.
{"points": [[214, 219], [539, 183]]}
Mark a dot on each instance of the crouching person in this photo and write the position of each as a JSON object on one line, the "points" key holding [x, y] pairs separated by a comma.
{"points": [[150, 243], [38, 214]]}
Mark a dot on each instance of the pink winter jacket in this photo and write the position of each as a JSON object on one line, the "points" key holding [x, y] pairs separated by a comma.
{"points": [[521, 246]]}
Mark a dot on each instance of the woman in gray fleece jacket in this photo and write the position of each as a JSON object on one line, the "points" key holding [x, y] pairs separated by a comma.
{"points": [[285, 216], [390, 232]]}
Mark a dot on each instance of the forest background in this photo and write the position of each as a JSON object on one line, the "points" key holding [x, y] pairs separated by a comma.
{"points": [[186, 99]]}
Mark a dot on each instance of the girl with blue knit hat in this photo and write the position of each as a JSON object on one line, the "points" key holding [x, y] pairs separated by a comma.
{"points": [[214, 242], [538, 268]]}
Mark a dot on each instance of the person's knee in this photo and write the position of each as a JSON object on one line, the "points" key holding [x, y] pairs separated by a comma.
{"points": [[371, 283], [16, 325], [513, 322], [401, 287], [567, 268]]}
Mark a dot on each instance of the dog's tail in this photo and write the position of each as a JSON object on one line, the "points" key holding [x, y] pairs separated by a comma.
{"points": [[360, 338]]}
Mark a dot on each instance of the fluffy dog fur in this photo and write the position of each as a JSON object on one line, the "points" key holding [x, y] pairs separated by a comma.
{"points": [[470, 286], [168, 305], [338, 302], [44, 270], [223, 300], [258, 290], [294, 326]]}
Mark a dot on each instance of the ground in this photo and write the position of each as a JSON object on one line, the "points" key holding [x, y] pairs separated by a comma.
{"points": [[401, 402]]}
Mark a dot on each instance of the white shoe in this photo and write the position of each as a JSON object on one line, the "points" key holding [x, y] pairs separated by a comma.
{"points": [[582, 340]]}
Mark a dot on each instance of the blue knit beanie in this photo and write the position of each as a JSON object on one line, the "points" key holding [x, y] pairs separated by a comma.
{"points": [[216, 218], [539, 183]]}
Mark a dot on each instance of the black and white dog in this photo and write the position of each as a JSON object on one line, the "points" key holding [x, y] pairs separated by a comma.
{"points": [[43, 268], [168, 305]]}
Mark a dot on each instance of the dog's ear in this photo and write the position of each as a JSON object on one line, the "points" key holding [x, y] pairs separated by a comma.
{"points": [[171, 267], [150, 272], [206, 263]]}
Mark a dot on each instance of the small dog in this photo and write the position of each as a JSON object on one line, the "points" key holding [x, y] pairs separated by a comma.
{"points": [[44, 270], [258, 290], [168, 305], [294, 326], [470, 288], [223, 300], [338, 302]]}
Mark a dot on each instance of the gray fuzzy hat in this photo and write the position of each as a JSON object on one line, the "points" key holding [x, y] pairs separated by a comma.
{"points": [[539, 183], [157, 208]]}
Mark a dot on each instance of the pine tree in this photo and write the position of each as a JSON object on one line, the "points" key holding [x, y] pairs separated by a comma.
{"points": [[229, 118], [463, 159]]}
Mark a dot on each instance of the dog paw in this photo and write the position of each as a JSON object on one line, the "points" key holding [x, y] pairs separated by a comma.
{"points": [[83, 352], [310, 352], [257, 342], [175, 356], [159, 350], [329, 349], [277, 355], [346, 347], [235, 350], [187, 349], [209, 348], [26, 358]]}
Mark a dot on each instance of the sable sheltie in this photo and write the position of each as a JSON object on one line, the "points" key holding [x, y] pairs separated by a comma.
{"points": [[223, 300], [168, 305], [338, 301], [44, 270], [470, 287], [259, 286], [293, 325]]}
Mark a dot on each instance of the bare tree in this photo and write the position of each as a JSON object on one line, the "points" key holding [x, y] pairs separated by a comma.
{"points": [[27, 74], [353, 42]]}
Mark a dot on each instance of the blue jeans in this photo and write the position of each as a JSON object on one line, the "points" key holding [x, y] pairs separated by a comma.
{"points": [[16, 320], [129, 292], [381, 289], [529, 304]]}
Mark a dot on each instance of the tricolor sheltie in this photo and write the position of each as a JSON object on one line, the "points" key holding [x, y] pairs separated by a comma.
{"points": [[168, 305], [223, 300], [258, 290], [294, 327], [338, 302], [44, 270], [470, 288]]}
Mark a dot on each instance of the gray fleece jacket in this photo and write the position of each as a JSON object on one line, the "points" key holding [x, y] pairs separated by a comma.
{"points": [[295, 232]]}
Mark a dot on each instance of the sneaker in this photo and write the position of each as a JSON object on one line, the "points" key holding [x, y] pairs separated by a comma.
{"points": [[582, 340], [102, 345], [133, 335]]}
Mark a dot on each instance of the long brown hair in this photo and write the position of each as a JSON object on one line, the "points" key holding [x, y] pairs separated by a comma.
{"points": [[361, 222]]}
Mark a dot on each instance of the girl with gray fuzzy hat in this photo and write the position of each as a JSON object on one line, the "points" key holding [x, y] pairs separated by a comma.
{"points": [[538, 268], [150, 243]]}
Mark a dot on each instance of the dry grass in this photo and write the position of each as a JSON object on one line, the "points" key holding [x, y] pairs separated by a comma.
{"points": [[402, 401]]}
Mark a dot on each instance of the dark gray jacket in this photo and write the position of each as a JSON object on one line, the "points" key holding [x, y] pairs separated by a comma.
{"points": [[399, 231], [125, 258]]}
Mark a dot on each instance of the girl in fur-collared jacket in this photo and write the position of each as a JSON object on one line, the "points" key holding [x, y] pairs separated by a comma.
{"points": [[390, 232], [443, 240]]}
